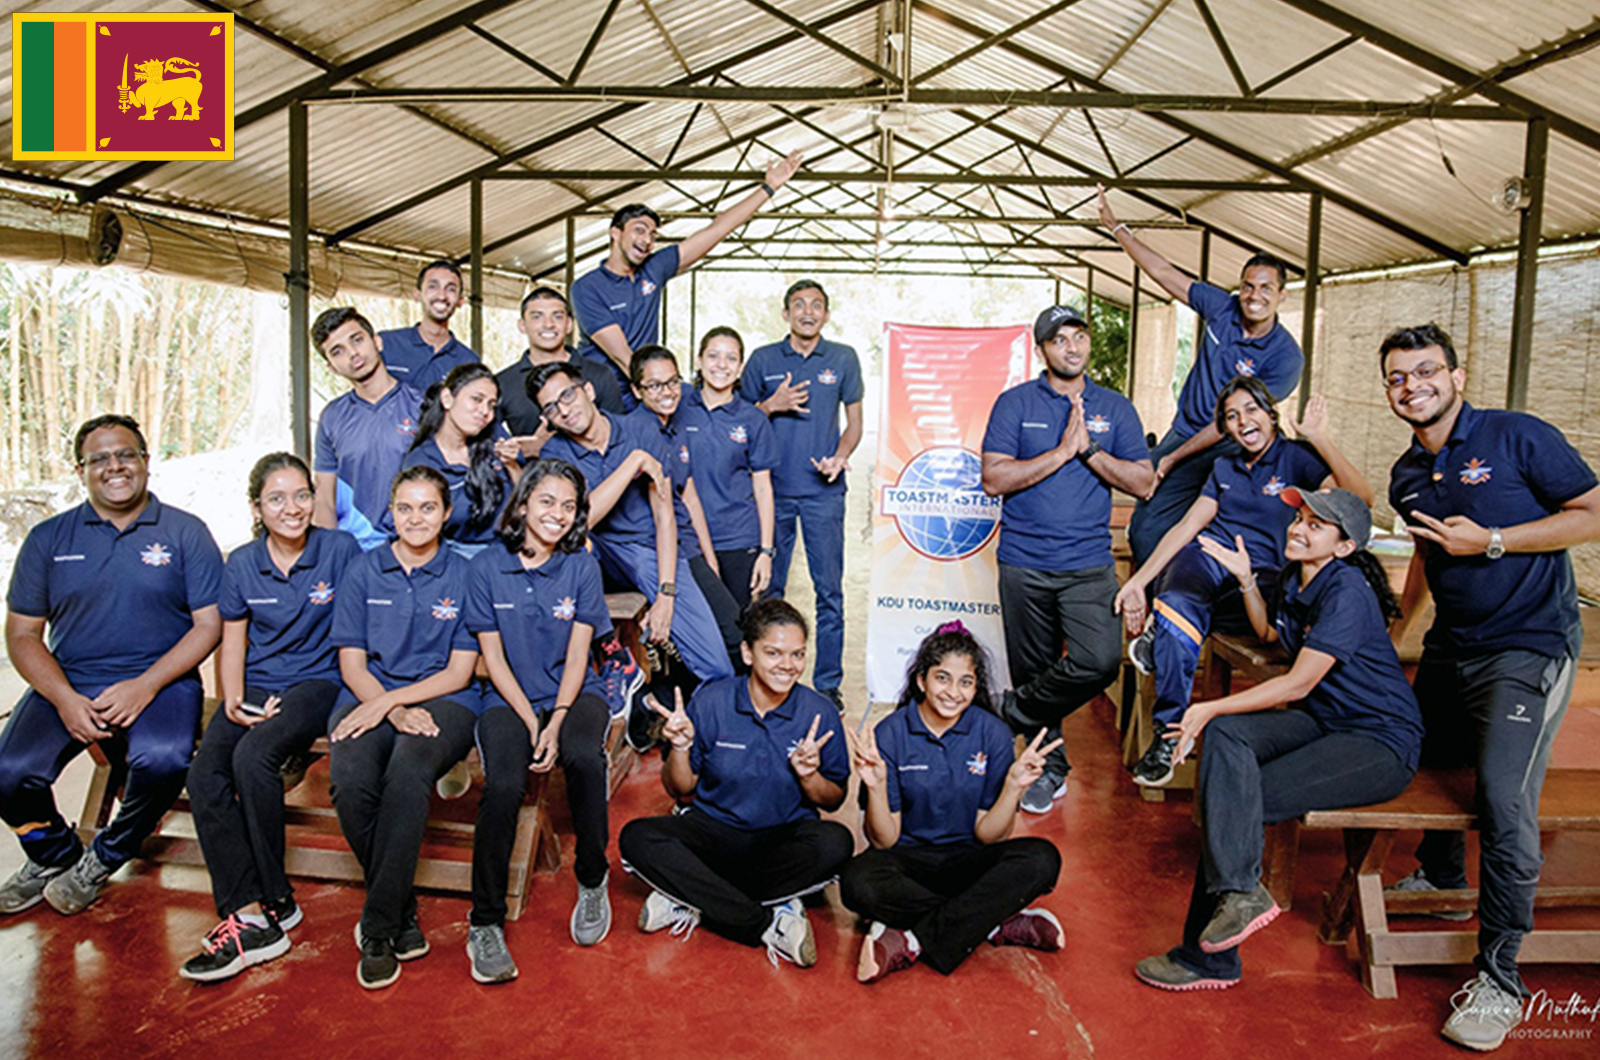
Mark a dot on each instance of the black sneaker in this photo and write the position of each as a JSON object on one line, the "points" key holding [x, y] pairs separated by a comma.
{"points": [[378, 967], [231, 947], [1142, 652], [284, 912], [1154, 769], [644, 724], [411, 943]]}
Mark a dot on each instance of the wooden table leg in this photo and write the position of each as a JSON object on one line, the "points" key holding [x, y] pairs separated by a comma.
{"points": [[1337, 908], [1372, 920]]}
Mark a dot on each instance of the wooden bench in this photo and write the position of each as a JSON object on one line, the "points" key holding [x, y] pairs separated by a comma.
{"points": [[1436, 799], [315, 847]]}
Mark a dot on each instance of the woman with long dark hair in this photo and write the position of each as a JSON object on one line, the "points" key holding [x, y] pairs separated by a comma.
{"points": [[536, 605], [940, 784], [280, 677], [1351, 735], [459, 436]]}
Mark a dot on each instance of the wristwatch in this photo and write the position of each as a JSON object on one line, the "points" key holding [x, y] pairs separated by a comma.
{"points": [[1089, 450], [1497, 546], [667, 588], [769, 552]]}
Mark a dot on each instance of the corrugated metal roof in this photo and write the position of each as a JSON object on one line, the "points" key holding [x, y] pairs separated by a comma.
{"points": [[396, 175]]}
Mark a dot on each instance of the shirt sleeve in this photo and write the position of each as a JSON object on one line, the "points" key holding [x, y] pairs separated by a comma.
{"points": [[589, 302], [202, 567], [1127, 439], [607, 394], [1001, 752], [30, 577], [350, 608], [480, 598], [763, 452], [1212, 488], [1002, 435], [889, 751], [1281, 368], [751, 386], [592, 607], [1210, 301], [230, 604], [326, 457], [835, 759], [1551, 466], [699, 709], [461, 638], [851, 387], [1310, 469], [663, 265]]}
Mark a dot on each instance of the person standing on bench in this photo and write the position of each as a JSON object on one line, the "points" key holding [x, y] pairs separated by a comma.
{"points": [[536, 605], [280, 677], [940, 784], [1195, 593], [408, 713], [1494, 499], [1053, 448], [760, 755], [1351, 735], [127, 588]]}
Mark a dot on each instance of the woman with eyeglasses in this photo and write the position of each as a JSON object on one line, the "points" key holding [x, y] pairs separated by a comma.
{"points": [[279, 673], [459, 436], [659, 387], [732, 446]]}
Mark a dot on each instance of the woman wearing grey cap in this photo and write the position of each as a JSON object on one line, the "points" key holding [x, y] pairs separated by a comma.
{"points": [[1350, 736]]}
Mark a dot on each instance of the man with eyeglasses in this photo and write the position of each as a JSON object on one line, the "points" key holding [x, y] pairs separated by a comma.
{"points": [[630, 516], [1494, 500], [113, 605]]}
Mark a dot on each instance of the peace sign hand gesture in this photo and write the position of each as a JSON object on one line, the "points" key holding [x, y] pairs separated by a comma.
{"points": [[679, 730], [868, 761], [806, 758], [1029, 765]]}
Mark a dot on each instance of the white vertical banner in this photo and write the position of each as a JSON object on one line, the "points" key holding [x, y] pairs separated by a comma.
{"points": [[934, 530]]}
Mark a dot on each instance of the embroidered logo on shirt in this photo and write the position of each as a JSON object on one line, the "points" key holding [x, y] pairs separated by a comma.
{"points": [[738, 436], [1476, 473], [683, 454], [978, 764], [407, 427], [446, 610], [827, 378], [647, 288], [1098, 424], [1245, 366], [565, 608], [155, 555], [321, 593], [1273, 487]]}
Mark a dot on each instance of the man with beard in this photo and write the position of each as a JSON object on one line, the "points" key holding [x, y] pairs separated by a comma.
{"points": [[1241, 336], [362, 436], [619, 303], [1054, 448], [422, 355], [1494, 499]]}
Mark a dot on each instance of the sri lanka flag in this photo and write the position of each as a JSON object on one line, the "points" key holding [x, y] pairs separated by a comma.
{"points": [[121, 86]]}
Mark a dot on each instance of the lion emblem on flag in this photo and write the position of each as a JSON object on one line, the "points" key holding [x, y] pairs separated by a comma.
{"points": [[182, 91]]}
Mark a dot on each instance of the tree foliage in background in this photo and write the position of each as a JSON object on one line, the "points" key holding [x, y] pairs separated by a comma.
{"points": [[1108, 352]]}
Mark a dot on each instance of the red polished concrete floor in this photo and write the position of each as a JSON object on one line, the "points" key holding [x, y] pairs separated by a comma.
{"points": [[104, 984]]}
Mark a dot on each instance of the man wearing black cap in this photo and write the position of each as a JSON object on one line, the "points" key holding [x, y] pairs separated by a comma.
{"points": [[1241, 336], [1053, 449], [1494, 500]]}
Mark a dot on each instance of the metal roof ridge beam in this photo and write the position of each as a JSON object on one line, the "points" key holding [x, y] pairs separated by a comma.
{"points": [[816, 34], [991, 40], [899, 176]]}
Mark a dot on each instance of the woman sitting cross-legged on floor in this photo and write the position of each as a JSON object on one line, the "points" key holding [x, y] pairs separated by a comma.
{"points": [[940, 789], [1351, 735]]}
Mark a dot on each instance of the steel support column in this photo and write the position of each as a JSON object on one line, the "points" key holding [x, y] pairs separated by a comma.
{"points": [[298, 281], [1133, 331], [1536, 152], [572, 257], [1308, 323], [476, 297]]}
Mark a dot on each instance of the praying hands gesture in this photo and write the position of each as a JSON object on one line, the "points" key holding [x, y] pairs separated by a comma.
{"points": [[806, 758], [1075, 439]]}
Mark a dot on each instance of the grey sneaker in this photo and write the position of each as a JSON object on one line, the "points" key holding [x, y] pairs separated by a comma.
{"points": [[1239, 915], [26, 886], [491, 961], [661, 912], [591, 917], [75, 889], [1154, 769], [1043, 793], [1164, 973], [1418, 882], [789, 935], [1484, 1014]]}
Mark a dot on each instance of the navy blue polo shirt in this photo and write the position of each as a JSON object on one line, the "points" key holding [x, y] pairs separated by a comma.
{"points": [[1366, 691], [115, 601], [412, 359], [408, 623], [533, 611], [670, 445], [633, 303], [742, 758], [630, 519], [363, 443], [834, 373], [428, 454], [290, 616], [1249, 502], [518, 410], [727, 445], [1497, 469], [938, 784], [1063, 521], [1224, 352]]}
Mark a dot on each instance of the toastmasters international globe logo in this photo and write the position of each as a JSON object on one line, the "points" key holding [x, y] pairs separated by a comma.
{"points": [[939, 506]]}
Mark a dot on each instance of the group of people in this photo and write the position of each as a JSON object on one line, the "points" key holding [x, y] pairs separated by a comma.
{"points": [[435, 581]]}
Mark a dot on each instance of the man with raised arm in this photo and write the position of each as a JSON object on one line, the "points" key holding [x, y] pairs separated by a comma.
{"points": [[1241, 335]]}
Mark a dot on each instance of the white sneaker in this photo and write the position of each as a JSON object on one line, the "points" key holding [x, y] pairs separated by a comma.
{"points": [[1484, 1014], [789, 935], [661, 912]]}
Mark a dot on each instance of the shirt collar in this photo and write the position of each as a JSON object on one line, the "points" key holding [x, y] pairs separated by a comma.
{"points": [[1043, 382], [743, 702], [1466, 419], [388, 561], [306, 560], [150, 516], [918, 726]]}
